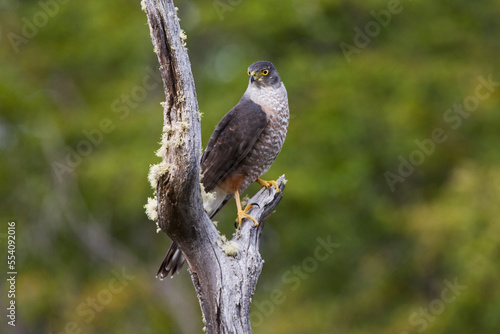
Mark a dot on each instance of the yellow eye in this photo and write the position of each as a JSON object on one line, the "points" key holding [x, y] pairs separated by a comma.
{"points": [[264, 72], [248, 73]]}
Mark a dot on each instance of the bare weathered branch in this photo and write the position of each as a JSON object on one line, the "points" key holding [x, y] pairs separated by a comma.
{"points": [[224, 273]]}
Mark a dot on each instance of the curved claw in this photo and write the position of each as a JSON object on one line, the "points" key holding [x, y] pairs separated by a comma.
{"points": [[267, 184], [242, 214]]}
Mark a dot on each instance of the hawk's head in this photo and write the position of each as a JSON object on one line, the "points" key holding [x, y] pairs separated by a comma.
{"points": [[263, 74]]}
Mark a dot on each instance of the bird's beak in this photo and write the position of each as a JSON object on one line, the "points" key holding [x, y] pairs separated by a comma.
{"points": [[254, 76]]}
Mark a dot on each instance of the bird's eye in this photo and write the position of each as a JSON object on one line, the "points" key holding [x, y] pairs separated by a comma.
{"points": [[264, 72], [248, 72]]}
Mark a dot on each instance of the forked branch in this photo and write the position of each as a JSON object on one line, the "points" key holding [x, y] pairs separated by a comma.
{"points": [[224, 273]]}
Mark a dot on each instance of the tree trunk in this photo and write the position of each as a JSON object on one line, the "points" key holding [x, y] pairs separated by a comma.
{"points": [[224, 273]]}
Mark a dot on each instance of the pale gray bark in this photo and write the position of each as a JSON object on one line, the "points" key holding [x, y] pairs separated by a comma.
{"points": [[224, 273]]}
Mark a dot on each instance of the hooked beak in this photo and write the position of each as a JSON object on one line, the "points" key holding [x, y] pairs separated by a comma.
{"points": [[254, 76]]}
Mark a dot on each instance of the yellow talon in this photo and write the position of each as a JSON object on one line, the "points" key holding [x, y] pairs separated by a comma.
{"points": [[242, 214], [266, 184]]}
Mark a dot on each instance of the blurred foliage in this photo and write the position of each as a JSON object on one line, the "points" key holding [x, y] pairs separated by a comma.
{"points": [[86, 253]]}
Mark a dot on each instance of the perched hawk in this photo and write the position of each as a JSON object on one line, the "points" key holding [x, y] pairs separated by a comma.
{"points": [[242, 148]]}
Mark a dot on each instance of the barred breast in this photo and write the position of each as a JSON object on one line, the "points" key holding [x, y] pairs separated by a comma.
{"points": [[274, 102]]}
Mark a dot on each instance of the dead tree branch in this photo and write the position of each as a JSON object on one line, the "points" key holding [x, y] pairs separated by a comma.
{"points": [[224, 273]]}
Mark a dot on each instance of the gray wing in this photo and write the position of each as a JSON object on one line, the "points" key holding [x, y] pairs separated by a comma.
{"points": [[232, 140]]}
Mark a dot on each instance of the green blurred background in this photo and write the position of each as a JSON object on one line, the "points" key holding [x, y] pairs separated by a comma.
{"points": [[392, 155]]}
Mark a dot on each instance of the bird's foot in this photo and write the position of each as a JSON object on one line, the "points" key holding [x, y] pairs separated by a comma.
{"points": [[242, 214], [267, 184]]}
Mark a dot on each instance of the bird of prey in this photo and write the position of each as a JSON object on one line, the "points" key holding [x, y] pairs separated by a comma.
{"points": [[243, 146]]}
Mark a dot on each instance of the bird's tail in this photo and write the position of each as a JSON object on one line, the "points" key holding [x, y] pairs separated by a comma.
{"points": [[214, 201], [172, 264]]}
